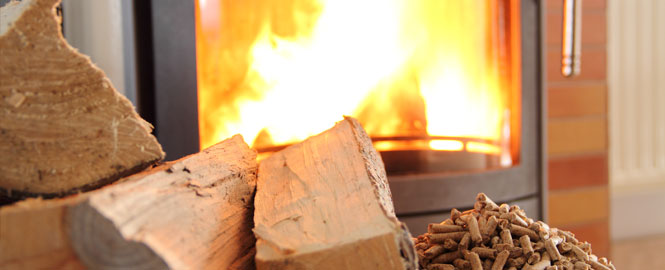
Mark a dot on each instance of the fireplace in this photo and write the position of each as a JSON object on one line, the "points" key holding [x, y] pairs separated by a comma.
{"points": [[449, 91]]}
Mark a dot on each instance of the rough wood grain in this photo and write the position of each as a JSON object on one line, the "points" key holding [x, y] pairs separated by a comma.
{"points": [[325, 204], [195, 213], [63, 127]]}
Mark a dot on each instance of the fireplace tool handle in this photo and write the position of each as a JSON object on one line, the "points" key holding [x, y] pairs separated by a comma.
{"points": [[572, 36]]}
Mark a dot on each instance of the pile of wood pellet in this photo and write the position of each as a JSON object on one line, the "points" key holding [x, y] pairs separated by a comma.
{"points": [[493, 237]]}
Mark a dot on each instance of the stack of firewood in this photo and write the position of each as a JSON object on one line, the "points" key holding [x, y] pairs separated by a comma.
{"points": [[496, 237], [91, 192], [84, 168]]}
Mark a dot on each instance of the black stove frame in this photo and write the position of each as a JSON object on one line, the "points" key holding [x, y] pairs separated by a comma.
{"points": [[166, 50]]}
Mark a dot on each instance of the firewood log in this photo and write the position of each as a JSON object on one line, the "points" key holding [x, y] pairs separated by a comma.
{"points": [[63, 127], [195, 213], [325, 204]]}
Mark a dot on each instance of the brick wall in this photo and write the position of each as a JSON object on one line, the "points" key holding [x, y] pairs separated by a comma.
{"points": [[577, 129]]}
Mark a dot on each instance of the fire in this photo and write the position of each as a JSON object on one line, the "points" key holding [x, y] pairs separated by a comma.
{"points": [[280, 71]]}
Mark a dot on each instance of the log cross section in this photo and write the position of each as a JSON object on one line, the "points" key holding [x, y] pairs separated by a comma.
{"points": [[195, 213], [63, 126]]}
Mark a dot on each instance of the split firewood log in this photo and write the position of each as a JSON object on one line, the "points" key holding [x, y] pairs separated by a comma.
{"points": [[63, 127], [194, 213], [325, 204]]}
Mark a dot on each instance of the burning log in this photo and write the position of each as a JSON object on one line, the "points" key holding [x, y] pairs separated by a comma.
{"points": [[325, 204], [190, 214], [539, 247], [63, 127]]}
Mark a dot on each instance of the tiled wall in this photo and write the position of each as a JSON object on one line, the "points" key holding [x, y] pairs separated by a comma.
{"points": [[577, 129]]}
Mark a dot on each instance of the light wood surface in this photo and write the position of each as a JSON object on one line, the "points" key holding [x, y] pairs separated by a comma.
{"points": [[195, 213], [63, 126], [325, 204], [639, 253]]}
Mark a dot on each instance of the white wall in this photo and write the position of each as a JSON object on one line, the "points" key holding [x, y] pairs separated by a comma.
{"points": [[636, 78]]}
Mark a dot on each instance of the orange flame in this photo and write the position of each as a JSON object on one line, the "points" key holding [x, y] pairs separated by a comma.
{"points": [[280, 71]]}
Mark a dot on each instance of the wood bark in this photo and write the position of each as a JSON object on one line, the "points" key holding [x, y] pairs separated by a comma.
{"points": [[63, 127], [195, 213], [325, 204]]}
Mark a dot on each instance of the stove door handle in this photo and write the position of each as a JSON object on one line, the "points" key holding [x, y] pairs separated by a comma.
{"points": [[572, 36]]}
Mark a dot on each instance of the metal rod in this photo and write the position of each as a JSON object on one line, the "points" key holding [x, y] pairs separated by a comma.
{"points": [[571, 39]]}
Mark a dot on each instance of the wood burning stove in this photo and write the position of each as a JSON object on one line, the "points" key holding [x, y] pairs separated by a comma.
{"points": [[426, 181]]}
